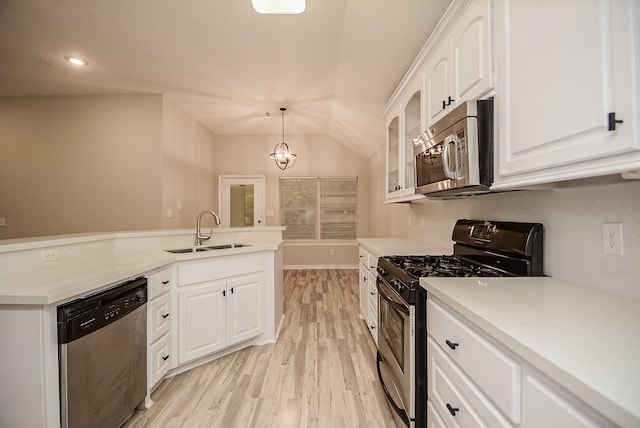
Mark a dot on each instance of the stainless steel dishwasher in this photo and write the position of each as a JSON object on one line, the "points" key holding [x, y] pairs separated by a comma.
{"points": [[102, 345]]}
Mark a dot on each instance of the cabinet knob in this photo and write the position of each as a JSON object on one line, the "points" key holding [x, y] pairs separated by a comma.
{"points": [[450, 344], [452, 409], [372, 293], [372, 327], [165, 358]]}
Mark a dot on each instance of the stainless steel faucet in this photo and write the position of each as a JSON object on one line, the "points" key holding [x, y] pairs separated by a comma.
{"points": [[203, 236]]}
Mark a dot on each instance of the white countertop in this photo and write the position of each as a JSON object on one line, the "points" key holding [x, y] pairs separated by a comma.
{"points": [[401, 247], [89, 263], [585, 339]]}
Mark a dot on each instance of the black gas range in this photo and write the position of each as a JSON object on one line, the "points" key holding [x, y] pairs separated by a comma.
{"points": [[481, 249]]}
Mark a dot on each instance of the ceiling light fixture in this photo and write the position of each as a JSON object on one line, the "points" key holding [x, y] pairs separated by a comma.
{"points": [[281, 154], [284, 7], [76, 61]]}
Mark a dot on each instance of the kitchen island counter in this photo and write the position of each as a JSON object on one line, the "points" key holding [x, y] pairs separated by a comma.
{"points": [[584, 339]]}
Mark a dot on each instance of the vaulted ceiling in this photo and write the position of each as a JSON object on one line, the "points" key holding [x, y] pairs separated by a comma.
{"points": [[334, 66]]}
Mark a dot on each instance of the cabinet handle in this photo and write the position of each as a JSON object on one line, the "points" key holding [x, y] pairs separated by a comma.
{"points": [[165, 315], [612, 121], [450, 344], [444, 104], [361, 256], [450, 100], [165, 282], [165, 358], [372, 293], [364, 278], [372, 327], [231, 290], [452, 409], [224, 293]]}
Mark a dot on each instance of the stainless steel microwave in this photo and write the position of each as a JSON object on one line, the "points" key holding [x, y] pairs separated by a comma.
{"points": [[454, 157]]}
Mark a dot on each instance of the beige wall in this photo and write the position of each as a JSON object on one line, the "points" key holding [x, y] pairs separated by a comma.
{"points": [[189, 175], [385, 220], [73, 164], [318, 155]]}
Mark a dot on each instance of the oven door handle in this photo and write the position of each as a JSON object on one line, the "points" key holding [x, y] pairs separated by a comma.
{"points": [[401, 413], [395, 304]]}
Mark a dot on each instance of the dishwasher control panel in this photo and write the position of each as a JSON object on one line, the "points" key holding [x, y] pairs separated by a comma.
{"points": [[85, 315]]}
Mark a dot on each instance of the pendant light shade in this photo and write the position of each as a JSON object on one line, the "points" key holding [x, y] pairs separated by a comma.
{"points": [[281, 155]]}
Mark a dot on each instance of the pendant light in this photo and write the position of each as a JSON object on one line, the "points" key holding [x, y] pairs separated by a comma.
{"points": [[281, 154]]}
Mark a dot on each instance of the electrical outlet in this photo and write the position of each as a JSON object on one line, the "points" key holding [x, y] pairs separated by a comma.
{"points": [[243, 235], [331, 252], [612, 239], [169, 213], [3, 222], [422, 222], [49, 255]]}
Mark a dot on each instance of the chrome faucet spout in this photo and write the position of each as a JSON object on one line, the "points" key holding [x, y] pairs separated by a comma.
{"points": [[200, 236]]}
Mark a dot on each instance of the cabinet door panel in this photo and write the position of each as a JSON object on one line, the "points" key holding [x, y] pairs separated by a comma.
{"points": [[472, 52], [544, 408], [437, 82], [202, 320], [245, 308], [560, 80]]}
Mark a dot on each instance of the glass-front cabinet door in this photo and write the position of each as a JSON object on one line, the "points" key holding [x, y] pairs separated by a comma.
{"points": [[393, 166], [412, 129]]}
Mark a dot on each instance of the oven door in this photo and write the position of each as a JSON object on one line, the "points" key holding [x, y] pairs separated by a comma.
{"points": [[396, 365]]}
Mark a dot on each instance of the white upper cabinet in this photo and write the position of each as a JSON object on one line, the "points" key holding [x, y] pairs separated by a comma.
{"points": [[402, 128], [563, 67], [461, 67], [455, 65]]}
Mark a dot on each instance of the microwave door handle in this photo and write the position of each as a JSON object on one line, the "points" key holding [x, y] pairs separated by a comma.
{"points": [[446, 144], [456, 155]]}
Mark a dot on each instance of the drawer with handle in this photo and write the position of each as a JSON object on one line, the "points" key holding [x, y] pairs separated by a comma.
{"points": [[492, 370], [457, 400]]}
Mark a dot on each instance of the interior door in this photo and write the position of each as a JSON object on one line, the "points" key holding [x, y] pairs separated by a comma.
{"points": [[241, 200]]}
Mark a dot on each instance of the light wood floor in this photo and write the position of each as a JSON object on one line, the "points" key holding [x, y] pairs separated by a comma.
{"points": [[320, 373]]}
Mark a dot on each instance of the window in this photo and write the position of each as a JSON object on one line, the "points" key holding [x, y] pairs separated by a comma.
{"points": [[319, 207]]}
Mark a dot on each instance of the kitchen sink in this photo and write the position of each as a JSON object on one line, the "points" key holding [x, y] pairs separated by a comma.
{"points": [[209, 248]]}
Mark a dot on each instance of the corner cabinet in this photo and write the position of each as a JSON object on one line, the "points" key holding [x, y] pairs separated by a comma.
{"points": [[455, 65], [220, 304], [560, 83]]}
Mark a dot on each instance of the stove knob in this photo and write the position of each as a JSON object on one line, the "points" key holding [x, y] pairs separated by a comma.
{"points": [[382, 271]]}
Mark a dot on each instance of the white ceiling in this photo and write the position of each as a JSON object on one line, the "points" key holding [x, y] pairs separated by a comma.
{"points": [[334, 66]]}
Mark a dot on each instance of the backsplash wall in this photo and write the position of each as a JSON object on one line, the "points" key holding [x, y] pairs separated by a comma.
{"points": [[572, 219]]}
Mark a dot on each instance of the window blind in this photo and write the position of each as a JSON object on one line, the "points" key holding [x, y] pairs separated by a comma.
{"points": [[319, 207]]}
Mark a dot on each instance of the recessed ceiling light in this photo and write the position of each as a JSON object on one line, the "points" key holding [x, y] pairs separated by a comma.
{"points": [[76, 61], [285, 7]]}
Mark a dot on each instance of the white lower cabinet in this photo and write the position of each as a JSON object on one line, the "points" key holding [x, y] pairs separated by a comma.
{"points": [[220, 304], [160, 314], [369, 291], [545, 406], [475, 382], [455, 396]]}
